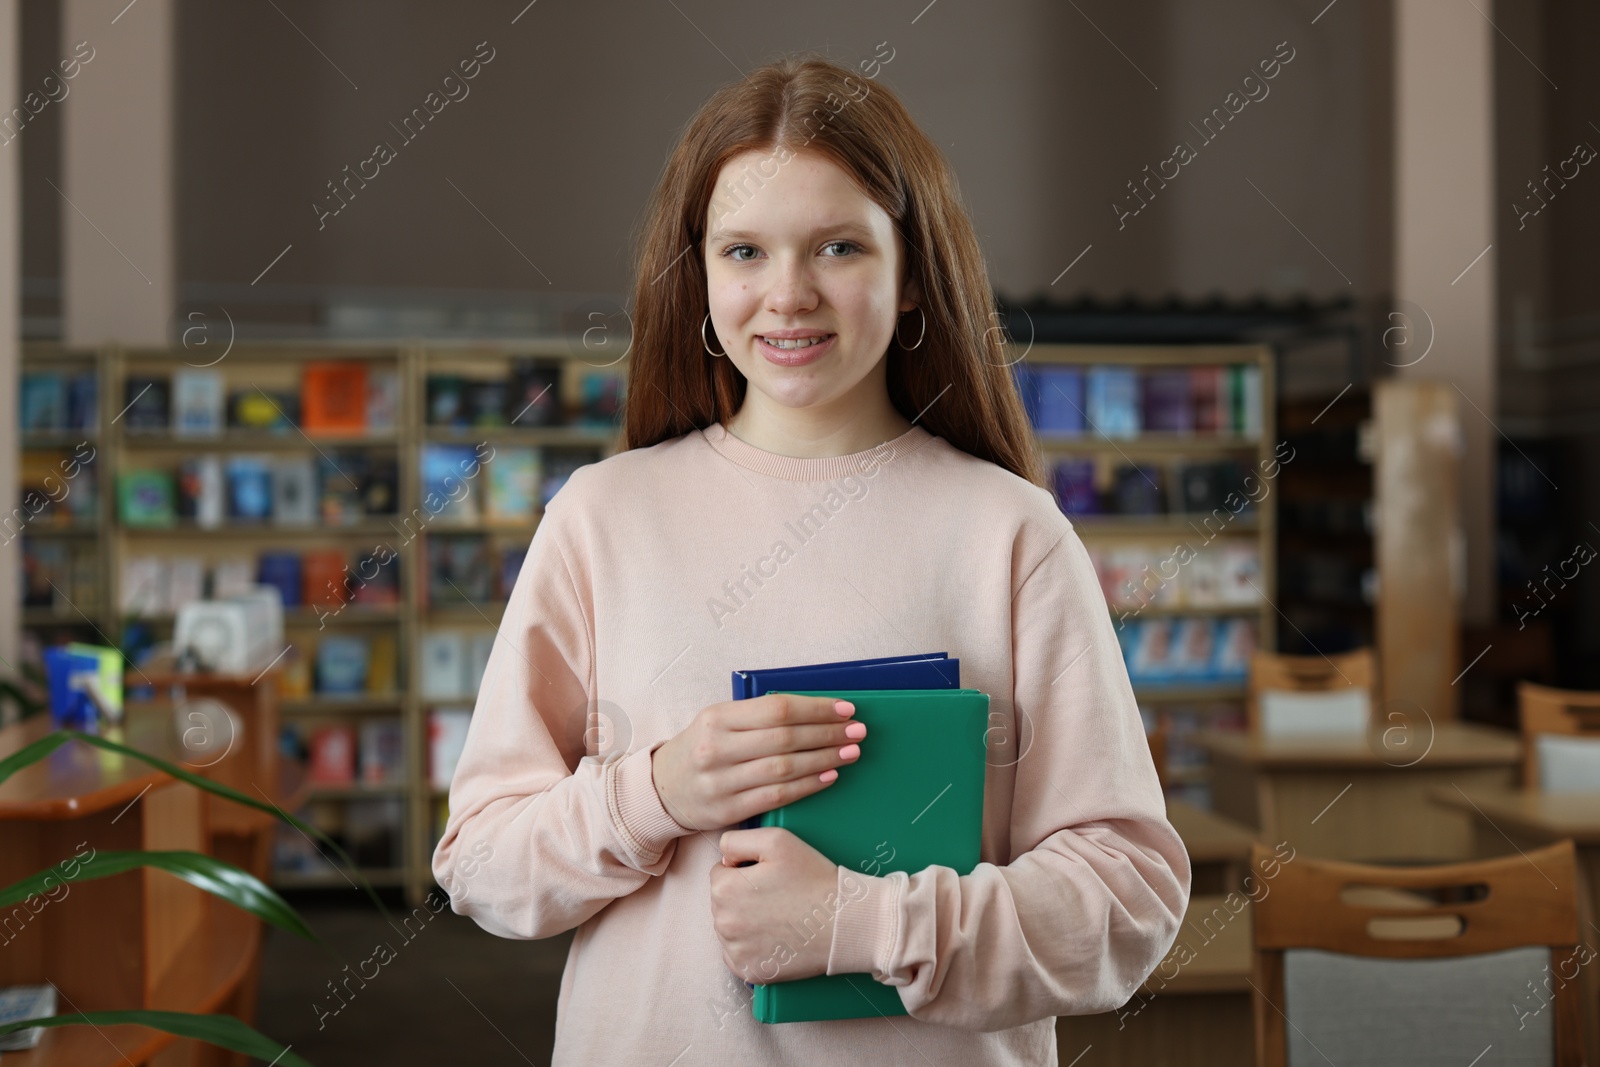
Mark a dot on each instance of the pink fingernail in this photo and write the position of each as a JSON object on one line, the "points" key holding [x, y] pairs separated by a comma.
{"points": [[850, 752], [856, 731], [844, 707], [828, 775]]}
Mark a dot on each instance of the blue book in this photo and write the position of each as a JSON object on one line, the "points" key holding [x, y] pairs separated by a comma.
{"points": [[930, 670], [1060, 400], [1112, 394]]}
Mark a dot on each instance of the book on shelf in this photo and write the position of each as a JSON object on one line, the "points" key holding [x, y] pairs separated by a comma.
{"points": [[511, 557], [383, 399], [1187, 650], [198, 407], [44, 401], [459, 569], [1060, 404], [450, 486], [146, 497], [380, 484], [382, 760], [1027, 383], [342, 663], [83, 401], [186, 581], [324, 572], [514, 479], [600, 398], [143, 589], [383, 674], [274, 410], [146, 401], [46, 566], [376, 580], [332, 756], [282, 571], [232, 576], [479, 646], [444, 657], [1138, 489], [447, 400], [486, 402], [447, 737], [1111, 395], [535, 396], [202, 491], [1167, 402], [294, 680], [1074, 484], [1208, 400], [249, 488], [294, 491], [333, 397], [340, 475]]}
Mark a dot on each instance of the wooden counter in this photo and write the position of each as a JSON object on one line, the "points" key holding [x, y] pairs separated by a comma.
{"points": [[140, 939]]}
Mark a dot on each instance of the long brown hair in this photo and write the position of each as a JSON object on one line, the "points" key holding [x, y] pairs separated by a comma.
{"points": [[956, 384]]}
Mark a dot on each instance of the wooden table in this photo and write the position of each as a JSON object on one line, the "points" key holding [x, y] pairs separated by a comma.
{"points": [[1353, 799], [1193, 1011], [138, 939], [1508, 820], [1218, 847]]}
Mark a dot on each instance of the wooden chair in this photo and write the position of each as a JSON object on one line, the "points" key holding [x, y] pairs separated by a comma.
{"points": [[1335, 676], [1563, 712], [1358, 965]]}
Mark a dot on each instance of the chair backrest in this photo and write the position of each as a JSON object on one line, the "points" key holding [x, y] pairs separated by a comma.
{"points": [[1291, 696], [1361, 965], [1556, 724]]}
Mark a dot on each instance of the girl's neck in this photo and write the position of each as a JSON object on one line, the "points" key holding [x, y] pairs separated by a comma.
{"points": [[805, 435]]}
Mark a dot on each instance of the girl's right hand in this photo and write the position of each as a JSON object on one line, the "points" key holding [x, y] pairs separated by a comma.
{"points": [[744, 757]]}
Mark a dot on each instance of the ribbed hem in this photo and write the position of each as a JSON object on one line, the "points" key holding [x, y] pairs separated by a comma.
{"points": [[636, 807], [866, 929], [813, 468]]}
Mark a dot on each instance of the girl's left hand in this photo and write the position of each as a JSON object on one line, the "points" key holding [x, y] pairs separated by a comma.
{"points": [[774, 918]]}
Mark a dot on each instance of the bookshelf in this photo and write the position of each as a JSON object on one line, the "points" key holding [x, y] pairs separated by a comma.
{"points": [[430, 624], [1149, 449]]}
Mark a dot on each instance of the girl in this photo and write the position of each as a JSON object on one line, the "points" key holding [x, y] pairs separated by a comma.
{"points": [[826, 459]]}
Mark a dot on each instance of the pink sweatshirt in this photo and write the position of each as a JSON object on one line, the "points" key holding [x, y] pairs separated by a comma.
{"points": [[657, 572]]}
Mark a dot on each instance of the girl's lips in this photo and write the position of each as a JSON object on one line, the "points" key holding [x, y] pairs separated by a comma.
{"points": [[795, 357]]}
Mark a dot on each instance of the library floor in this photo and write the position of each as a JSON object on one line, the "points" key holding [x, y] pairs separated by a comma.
{"points": [[451, 994]]}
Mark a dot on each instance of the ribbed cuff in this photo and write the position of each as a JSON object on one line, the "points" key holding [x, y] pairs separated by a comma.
{"points": [[866, 930], [636, 806]]}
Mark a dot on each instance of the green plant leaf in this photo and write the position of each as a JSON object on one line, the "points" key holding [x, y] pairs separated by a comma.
{"points": [[31, 754], [238, 887], [223, 1031]]}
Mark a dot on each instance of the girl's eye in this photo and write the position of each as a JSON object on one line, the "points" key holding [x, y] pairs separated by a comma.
{"points": [[847, 244], [728, 253]]}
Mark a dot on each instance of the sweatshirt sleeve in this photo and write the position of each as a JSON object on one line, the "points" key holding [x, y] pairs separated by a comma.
{"points": [[1098, 880], [542, 835]]}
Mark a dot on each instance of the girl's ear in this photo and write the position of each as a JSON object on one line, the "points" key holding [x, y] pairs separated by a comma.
{"points": [[912, 295]]}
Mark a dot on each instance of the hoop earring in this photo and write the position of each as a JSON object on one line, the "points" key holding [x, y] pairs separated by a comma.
{"points": [[902, 344], [705, 341]]}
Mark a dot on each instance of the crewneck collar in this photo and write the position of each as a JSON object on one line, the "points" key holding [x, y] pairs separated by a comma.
{"points": [[812, 468]]}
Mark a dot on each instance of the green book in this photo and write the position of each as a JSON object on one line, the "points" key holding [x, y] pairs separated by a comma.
{"points": [[913, 799]]}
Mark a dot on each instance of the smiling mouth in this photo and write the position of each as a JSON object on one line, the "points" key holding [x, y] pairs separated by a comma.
{"points": [[794, 345]]}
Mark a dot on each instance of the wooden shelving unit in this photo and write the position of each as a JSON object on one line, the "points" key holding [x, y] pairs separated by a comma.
{"points": [[1166, 702], [277, 366]]}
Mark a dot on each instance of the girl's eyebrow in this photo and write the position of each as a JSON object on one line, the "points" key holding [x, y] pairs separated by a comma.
{"points": [[848, 226]]}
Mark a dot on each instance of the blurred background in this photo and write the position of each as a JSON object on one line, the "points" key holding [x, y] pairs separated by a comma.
{"points": [[1348, 245]]}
